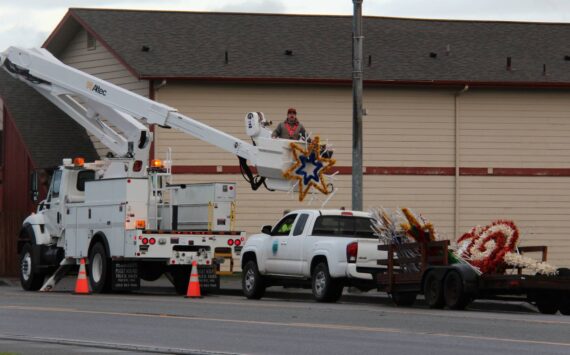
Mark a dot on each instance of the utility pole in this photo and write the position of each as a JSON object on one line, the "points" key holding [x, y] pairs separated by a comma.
{"points": [[357, 40]]}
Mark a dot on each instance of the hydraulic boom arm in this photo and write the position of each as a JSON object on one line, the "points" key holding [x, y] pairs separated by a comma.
{"points": [[88, 99]]}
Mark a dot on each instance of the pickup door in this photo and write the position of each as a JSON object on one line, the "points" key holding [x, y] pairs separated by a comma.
{"points": [[284, 249]]}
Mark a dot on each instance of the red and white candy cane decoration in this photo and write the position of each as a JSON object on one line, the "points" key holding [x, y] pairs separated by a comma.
{"points": [[485, 248]]}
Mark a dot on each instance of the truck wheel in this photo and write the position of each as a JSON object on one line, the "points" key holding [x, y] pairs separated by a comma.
{"points": [[453, 293], [99, 270], [404, 299], [547, 303], [433, 291], [252, 282], [29, 280], [325, 288]]}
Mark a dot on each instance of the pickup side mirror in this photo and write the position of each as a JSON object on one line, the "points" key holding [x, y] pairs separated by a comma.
{"points": [[266, 229]]}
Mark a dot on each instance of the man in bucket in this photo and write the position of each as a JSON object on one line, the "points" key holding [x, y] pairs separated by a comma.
{"points": [[291, 128]]}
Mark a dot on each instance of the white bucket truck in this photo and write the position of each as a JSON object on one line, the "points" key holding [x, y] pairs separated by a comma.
{"points": [[122, 213]]}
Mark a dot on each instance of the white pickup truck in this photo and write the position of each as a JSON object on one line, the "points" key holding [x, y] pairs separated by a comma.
{"points": [[314, 249]]}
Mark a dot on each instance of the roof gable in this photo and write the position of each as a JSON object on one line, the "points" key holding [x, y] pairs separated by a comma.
{"points": [[254, 46], [48, 133]]}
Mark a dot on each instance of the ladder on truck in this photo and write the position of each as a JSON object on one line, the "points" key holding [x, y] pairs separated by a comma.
{"points": [[159, 195]]}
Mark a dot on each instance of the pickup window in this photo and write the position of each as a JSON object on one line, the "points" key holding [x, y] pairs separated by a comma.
{"points": [[300, 225], [343, 226], [284, 226]]}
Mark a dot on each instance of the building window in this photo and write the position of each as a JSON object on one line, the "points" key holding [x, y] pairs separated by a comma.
{"points": [[91, 42]]}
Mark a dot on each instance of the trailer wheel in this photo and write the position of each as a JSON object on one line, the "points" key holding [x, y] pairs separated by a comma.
{"points": [[325, 288], [453, 292], [565, 305], [98, 269], [433, 291], [547, 303], [404, 299], [565, 298], [29, 280], [252, 283]]}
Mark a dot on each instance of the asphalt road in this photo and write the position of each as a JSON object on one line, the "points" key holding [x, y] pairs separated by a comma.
{"points": [[157, 320]]}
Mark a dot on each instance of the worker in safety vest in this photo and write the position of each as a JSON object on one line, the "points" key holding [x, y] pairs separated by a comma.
{"points": [[291, 128]]}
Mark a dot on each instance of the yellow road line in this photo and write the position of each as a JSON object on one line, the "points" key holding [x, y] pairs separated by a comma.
{"points": [[345, 327]]}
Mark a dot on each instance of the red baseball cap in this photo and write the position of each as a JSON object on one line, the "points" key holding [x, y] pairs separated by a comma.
{"points": [[292, 110]]}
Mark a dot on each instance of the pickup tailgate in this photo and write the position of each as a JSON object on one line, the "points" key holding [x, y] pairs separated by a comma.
{"points": [[368, 256]]}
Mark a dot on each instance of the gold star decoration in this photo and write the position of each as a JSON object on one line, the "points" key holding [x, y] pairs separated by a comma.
{"points": [[309, 168]]}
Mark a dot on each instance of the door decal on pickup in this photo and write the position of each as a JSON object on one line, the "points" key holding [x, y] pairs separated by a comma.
{"points": [[275, 247]]}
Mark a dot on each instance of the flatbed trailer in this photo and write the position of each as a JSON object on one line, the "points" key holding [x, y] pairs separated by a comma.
{"points": [[456, 285]]}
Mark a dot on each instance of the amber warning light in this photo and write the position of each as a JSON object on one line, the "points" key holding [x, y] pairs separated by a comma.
{"points": [[78, 161], [140, 223], [156, 164]]}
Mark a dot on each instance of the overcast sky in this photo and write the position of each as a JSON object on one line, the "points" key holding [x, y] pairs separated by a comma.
{"points": [[27, 23]]}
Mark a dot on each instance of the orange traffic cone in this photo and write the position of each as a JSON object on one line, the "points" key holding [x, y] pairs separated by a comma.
{"points": [[194, 284], [82, 285]]}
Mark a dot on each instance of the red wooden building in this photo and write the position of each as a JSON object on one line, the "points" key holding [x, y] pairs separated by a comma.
{"points": [[36, 136]]}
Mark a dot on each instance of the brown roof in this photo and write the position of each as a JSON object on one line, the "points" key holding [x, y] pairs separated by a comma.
{"points": [[48, 133], [305, 48]]}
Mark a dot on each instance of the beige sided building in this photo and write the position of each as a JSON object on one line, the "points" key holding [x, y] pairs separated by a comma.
{"points": [[465, 124]]}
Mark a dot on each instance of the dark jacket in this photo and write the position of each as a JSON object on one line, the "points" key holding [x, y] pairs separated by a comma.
{"points": [[282, 131]]}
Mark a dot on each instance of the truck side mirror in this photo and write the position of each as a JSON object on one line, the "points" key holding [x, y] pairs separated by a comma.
{"points": [[266, 229]]}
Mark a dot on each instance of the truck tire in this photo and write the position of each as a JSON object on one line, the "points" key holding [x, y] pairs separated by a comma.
{"points": [[404, 299], [325, 288], [433, 291], [252, 283], [30, 280], [453, 292], [99, 269], [547, 303]]}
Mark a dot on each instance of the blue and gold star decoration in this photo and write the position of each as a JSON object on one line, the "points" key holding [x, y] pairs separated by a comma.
{"points": [[309, 168]]}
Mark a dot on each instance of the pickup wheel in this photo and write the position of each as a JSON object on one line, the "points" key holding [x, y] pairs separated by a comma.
{"points": [[325, 288], [453, 292], [99, 269], [29, 280], [252, 283], [433, 291], [404, 299]]}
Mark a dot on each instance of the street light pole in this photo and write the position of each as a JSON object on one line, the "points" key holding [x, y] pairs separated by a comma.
{"points": [[357, 169]]}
